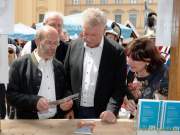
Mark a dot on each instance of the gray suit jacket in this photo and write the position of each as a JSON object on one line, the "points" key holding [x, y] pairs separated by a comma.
{"points": [[111, 80]]}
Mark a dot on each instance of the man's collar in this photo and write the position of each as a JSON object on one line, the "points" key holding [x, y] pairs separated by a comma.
{"points": [[38, 58], [99, 46]]}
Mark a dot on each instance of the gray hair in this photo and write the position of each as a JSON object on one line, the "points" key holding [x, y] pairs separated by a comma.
{"points": [[50, 14], [94, 16]]}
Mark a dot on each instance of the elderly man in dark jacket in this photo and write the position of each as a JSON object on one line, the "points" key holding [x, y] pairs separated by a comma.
{"points": [[37, 78]]}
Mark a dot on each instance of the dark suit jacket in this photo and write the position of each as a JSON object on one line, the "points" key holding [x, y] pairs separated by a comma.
{"points": [[61, 51], [111, 80], [24, 83]]}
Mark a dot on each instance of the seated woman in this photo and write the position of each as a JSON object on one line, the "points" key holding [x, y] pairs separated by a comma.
{"points": [[146, 72]]}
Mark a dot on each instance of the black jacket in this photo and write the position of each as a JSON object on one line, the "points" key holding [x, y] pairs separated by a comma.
{"points": [[111, 79], [61, 51], [24, 83]]}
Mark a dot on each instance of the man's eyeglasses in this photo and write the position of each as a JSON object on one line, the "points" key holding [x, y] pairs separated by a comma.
{"points": [[52, 43]]}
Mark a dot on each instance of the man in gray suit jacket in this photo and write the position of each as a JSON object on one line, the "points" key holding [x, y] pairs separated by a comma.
{"points": [[96, 68], [37, 78]]}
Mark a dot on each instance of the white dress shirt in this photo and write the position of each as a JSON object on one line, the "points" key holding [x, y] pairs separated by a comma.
{"points": [[92, 57], [47, 87]]}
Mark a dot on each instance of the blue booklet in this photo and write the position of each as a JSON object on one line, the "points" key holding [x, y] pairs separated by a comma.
{"points": [[149, 116], [171, 115]]}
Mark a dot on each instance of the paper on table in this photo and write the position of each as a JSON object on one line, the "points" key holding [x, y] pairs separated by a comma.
{"points": [[85, 130], [60, 101]]}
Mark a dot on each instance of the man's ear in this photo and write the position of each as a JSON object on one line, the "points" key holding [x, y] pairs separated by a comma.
{"points": [[37, 41]]}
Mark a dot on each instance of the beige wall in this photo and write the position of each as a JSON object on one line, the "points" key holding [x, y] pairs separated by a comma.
{"points": [[27, 11]]}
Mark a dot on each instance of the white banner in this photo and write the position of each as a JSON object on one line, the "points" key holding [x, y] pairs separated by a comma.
{"points": [[6, 26], [164, 22], [6, 16], [4, 68]]}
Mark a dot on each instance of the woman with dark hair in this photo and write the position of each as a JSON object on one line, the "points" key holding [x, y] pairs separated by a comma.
{"points": [[146, 72]]}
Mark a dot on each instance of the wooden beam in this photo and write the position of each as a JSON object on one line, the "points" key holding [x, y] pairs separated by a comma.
{"points": [[174, 72]]}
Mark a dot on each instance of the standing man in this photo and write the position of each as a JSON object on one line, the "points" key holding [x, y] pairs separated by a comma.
{"points": [[37, 78], [55, 20], [96, 67]]}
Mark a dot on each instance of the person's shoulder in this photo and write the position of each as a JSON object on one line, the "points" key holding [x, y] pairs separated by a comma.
{"points": [[160, 73], [162, 70], [62, 43], [27, 45], [58, 65], [56, 61], [27, 48], [77, 41], [22, 60]]}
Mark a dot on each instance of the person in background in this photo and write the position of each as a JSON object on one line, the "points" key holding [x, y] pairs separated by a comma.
{"points": [[12, 56], [150, 30], [55, 20], [14, 42], [96, 68], [11, 53], [38, 78], [146, 72], [116, 28], [112, 35]]}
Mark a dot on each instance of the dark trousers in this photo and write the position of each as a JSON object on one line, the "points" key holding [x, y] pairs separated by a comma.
{"points": [[86, 113]]}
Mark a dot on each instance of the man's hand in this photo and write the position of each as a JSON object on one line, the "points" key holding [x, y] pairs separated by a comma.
{"points": [[108, 116], [70, 115], [66, 105], [42, 105]]}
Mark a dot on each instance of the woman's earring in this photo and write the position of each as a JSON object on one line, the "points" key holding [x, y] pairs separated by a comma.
{"points": [[146, 66]]}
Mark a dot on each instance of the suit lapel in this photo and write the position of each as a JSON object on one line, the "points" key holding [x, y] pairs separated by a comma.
{"points": [[80, 61], [103, 64], [57, 78]]}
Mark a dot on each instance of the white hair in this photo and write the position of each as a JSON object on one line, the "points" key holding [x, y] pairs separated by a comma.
{"points": [[93, 17], [50, 14]]}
